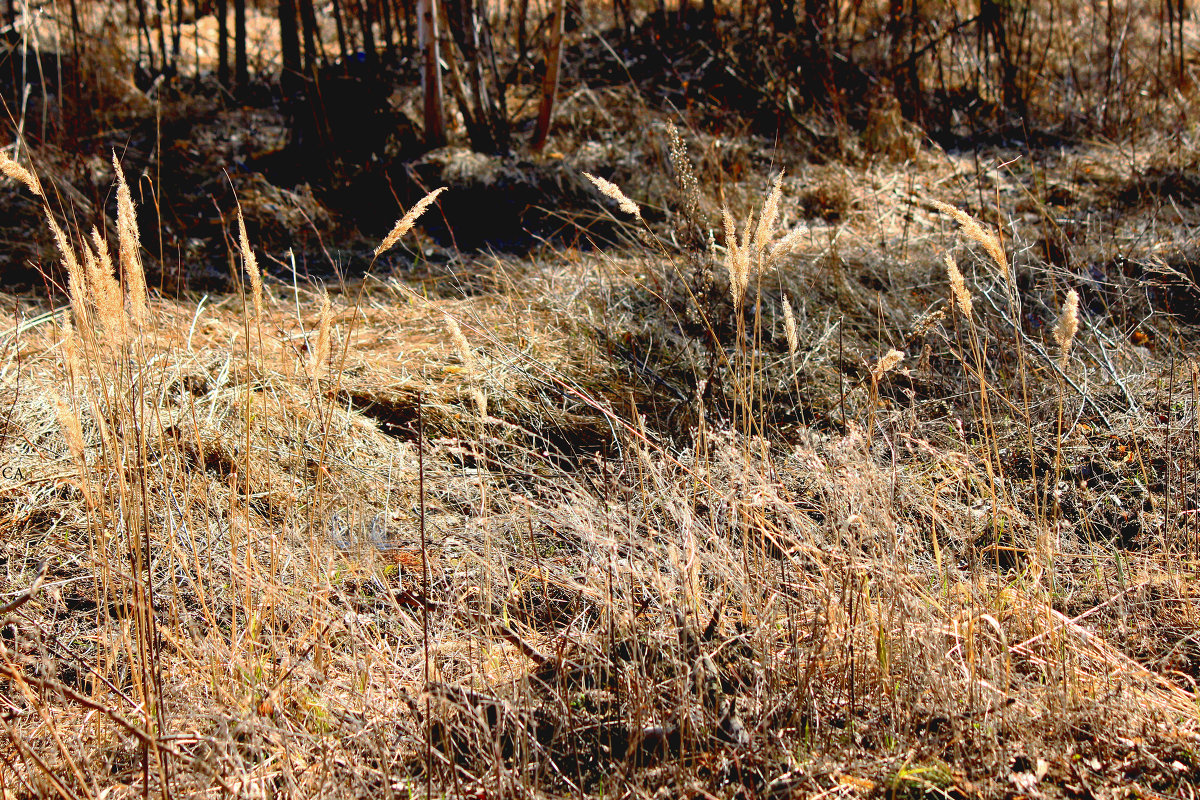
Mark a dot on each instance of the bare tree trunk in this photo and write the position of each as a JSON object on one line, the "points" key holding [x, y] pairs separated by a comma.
{"points": [[431, 76], [223, 42], [75, 67], [522, 34], [364, 22], [406, 9], [241, 67], [176, 34], [783, 15], [902, 65], [994, 20], [818, 36], [162, 35], [487, 124], [389, 34], [314, 49], [550, 81], [343, 46], [1177, 10], [144, 29], [289, 46], [74, 30]]}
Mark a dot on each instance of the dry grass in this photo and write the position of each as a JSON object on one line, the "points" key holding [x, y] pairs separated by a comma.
{"points": [[822, 487], [614, 527]]}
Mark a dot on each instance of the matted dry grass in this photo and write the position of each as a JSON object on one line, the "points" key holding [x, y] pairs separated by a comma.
{"points": [[600, 529]]}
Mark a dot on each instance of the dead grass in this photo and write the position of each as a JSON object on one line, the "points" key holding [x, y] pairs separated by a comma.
{"points": [[594, 524], [611, 532]]}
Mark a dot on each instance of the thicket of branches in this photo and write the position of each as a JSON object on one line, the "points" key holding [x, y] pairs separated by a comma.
{"points": [[948, 66]]}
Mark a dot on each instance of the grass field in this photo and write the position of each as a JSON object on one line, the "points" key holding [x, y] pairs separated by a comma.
{"points": [[869, 475]]}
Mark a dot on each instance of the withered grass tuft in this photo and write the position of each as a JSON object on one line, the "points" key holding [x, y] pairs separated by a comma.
{"points": [[600, 532]]}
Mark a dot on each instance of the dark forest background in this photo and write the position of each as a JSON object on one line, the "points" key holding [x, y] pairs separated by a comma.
{"points": [[326, 117]]}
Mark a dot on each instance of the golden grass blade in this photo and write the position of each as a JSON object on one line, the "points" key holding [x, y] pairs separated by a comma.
{"points": [[460, 343], [1067, 327], [319, 355], [18, 173], [129, 240], [973, 230], [766, 222], [250, 261], [77, 286], [613, 192], [789, 327], [888, 362], [404, 225], [958, 288]]}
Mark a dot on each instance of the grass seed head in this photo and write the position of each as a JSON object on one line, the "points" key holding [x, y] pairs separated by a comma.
{"points": [[480, 399], [251, 263], [887, 363], [105, 292], [730, 228], [973, 230], [786, 244], [766, 221], [72, 430], [460, 343], [70, 346], [129, 240], [1067, 327], [731, 256], [737, 259], [613, 192], [18, 173], [405, 223], [958, 287], [789, 327], [77, 287], [685, 176], [319, 355], [744, 256]]}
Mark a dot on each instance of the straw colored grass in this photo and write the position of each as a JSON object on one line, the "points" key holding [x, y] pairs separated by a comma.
{"points": [[527, 543]]}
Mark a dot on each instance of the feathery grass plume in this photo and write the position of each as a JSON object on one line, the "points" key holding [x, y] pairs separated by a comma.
{"points": [[786, 244], [925, 323], [975, 231], [251, 263], [72, 430], [129, 246], [685, 176], [77, 287], [404, 225], [613, 192], [319, 354], [737, 259], [789, 327], [480, 403], [766, 221], [105, 291], [105, 262], [18, 173], [747, 265], [1067, 327], [886, 363], [70, 348], [958, 287], [730, 229], [460, 343]]}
